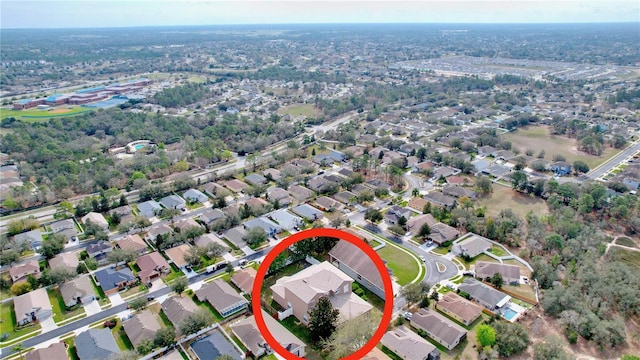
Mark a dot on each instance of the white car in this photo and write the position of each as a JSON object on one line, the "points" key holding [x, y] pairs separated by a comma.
{"points": [[422, 258]]}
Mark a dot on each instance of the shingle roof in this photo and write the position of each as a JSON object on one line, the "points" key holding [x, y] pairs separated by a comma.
{"points": [[244, 279], [36, 299], [353, 257], [219, 294], [407, 344], [247, 331], [438, 325], [178, 308], [96, 344], [55, 351], [142, 325], [460, 306], [483, 293], [77, 287], [109, 277]]}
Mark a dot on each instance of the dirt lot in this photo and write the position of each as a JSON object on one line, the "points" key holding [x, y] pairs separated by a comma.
{"points": [[504, 197]]}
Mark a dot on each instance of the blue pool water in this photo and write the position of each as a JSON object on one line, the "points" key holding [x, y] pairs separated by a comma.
{"points": [[509, 314], [139, 146]]}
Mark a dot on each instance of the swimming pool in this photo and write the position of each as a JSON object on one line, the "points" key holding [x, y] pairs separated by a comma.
{"points": [[139, 146], [509, 314]]}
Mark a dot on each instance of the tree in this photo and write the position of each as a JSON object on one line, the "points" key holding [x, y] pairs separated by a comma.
{"points": [[484, 185], [145, 346], [164, 337], [373, 215], [19, 348], [57, 276], [511, 338], [323, 319], [193, 256], [64, 210], [9, 256], [551, 349], [485, 335], [20, 288], [196, 322], [351, 336], [138, 303], [580, 167], [118, 255], [255, 236], [519, 180], [179, 285], [126, 355], [213, 250], [497, 281], [413, 293], [425, 230], [53, 245]]}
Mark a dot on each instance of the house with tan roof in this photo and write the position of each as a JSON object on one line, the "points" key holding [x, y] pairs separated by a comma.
{"points": [[417, 204], [471, 246], [235, 185], [352, 261], [77, 291], [178, 308], [96, 219], [132, 242], [152, 266], [55, 351], [244, 279], [32, 306], [248, 333], [459, 308], [438, 327], [176, 255], [158, 229], [415, 223], [143, 325], [187, 223], [299, 293], [222, 297], [20, 272], [66, 260], [510, 273], [441, 233], [409, 345]]}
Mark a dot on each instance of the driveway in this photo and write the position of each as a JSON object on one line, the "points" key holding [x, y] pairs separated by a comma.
{"points": [[92, 307], [116, 299], [48, 324]]}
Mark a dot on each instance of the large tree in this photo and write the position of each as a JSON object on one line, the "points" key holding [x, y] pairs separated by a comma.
{"points": [[196, 322], [255, 236], [323, 319], [351, 335], [179, 285], [53, 245], [550, 348], [511, 339], [415, 292], [485, 335], [122, 255]]}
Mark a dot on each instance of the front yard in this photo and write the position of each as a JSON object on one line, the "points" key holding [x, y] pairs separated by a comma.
{"points": [[8, 324], [60, 312], [403, 265]]}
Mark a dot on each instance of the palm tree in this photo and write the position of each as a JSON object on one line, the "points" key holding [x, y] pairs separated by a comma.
{"points": [[18, 348]]}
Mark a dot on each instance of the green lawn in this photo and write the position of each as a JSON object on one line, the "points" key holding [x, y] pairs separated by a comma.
{"points": [[36, 115], [121, 337], [297, 328], [497, 251], [625, 241], [299, 110], [481, 257], [404, 266], [441, 250], [504, 197], [8, 323], [206, 305], [71, 348], [136, 289], [60, 312]]}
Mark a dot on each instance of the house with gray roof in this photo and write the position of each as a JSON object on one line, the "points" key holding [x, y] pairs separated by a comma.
{"points": [[112, 280], [471, 246], [178, 308], [496, 170], [510, 273], [96, 344], [33, 238], [173, 202], [300, 192], [308, 212], [286, 220], [439, 328], [480, 165], [279, 194], [99, 250], [77, 291], [248, 333], [195, 195], [66, 227], [346, 197], [222, 297], [215, 344], [236, 236], [440, 199], [255, 179], [349, 258], [409, 345], [263, 222], [483, 294], [212, 215], [149, 209], [158, 229]]}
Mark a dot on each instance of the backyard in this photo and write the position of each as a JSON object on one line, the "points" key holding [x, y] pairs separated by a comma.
{"points": [[504, 197], [121, 337], [539, 138]]}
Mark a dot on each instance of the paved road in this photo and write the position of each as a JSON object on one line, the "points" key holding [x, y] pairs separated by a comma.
{"points": [[614, 161]]}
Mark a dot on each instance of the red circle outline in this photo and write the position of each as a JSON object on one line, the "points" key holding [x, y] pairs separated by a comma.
{"points": [[326, 232]]}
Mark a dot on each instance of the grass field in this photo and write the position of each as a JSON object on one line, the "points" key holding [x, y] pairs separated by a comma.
{"points": [[60, 312], [404, 267], [36, 115], [8, 323], [299, 110], [625, 241], [629, 257], [539, 138], [504, 197], [121, 337]]}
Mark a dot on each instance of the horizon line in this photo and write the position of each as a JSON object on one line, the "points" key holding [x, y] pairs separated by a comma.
{"points": [[323, 23]]}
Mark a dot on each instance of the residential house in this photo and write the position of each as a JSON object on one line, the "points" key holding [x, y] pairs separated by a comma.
{"points": [[458, 180], [214, 345], [395, 213], [441, 233], [319, 184], [438, 327], [55, 351], [214, 189], [173, 202], [132, 242], [236, 236], [286, 220], [143, 325], [77, 291], [186, 224], [443, 172], [417, 204], [149, 209], [472, 246], [480, 165], [352, 261], [256, 204], [152, 266], [33, 238], [298, 293], [255, 179], [211, 216], [96, 219], [161, 229], [112, 280], [415, 223], [263, 222], [561, 168], [505, 155], [300, 192], [422, 166], [195, 195], [378, 184], [178, 308], [484, 295], [251, 337], [440, 199], [459, 308], [32, 306], [176, 255], [345, 172], [96, 344], [308, 212], [66, 227], [409, 345], [280, 195], [457, 192], [244, 278], [274, 174], [346, 197], [125, 212], [99, 250], [328, 204], [510, 273], [20, 272], [235, 185], [222, 297], [496, 170], [376, 354], [205, 239], [323, 160], [66, 260]]}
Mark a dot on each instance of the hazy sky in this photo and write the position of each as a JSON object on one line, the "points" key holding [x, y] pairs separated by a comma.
{"points": [[114, 13]]}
